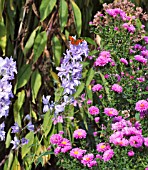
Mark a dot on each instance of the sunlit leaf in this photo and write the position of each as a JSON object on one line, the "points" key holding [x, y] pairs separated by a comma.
{"points": [[91, 74], [77, 16], [46, 8], [79, 90], [8, 139], [63, 13]]}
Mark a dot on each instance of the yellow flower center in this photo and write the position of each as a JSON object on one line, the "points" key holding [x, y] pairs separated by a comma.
{"points": [[64, 142], [110, 112], [79, 133], [76, 152], [87, 159], [102, 146], [141, 105]]}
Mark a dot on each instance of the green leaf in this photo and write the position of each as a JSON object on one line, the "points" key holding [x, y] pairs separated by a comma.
{"points": [[38, 161], [2, 28], [17, 106], [63, 13], [138, 24], [23, 75], [89, 93], [89, 40], [39, 45], [47, 123], [36, 82], [46, 8], [79, 90], [1, 8], [30, 42], [91, 74], [8, 138], [10, 159], [46, 153], [16, 164], [93, 52], [26, 147], [57, 50], [77, 17], [58, 93]]}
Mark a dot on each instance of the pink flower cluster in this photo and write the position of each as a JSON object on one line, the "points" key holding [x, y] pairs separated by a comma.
{"points": [[103, 59], [129, 27], [117, 88], [140, 58], [118, 12], [97, 87], [93, 110], [63, 144], [88, 160], [77, 153], [126, 134], [124, 61]]}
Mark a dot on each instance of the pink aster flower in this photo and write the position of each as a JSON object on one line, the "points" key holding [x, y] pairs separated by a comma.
{"points": [[97, 119], [102, 147], [77, 153], [97, 87], [65, 142], [89, 101], [79, 134], [93, 110], [87, 159], [146, 39], [146, 168], [57, 150], [121, 142], [146, 141], [108, 155], [66, 149], [131, 153], [123, 60], [117, 88], [136, 141], [55, 139], [140, 58], [141, 105], [110, 112]]}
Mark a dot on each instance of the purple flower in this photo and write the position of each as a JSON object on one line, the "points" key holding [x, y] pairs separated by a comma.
{"points": [[140, 58], [15, 128], [30, 126], [24, 141], [47, 105], [2, 132], [146, 141], [15, 143]]}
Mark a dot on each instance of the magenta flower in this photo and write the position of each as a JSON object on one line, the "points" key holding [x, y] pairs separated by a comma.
{"points": [[136, 141], [97, 119], [146, 39], [123, 60], [110, 112], [77, 153], [141, 105], [93, 110], [89, 101], [108, 155], [87, 159], [79, 134], [102, 147], [97, 87], [117, 88], [146, 141], [121, 142], [131, 153], [140, 58], [57, 150], [66, 149], [55, 139], [65, 142]]}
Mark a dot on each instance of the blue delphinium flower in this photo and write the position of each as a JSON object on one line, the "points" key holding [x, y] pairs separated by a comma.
{"points": [[15, 128], [2, 132], [15, 142], [7, 72]]}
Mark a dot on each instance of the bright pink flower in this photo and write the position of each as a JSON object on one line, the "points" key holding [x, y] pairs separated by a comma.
{"points": [[66, 149], [146, 39], [97, 87], [89, 101], [95, 133], [98, 156], [117, 88], [141, 79], [102, 147], [121, 142], [141, 105], [77, 153], [123, 60], [111, 112], [146, 141], [131, 153], [65, 142], [97, 119], [140, 58], [57, 150], [55, 139], [136, 141], [93, 110], [79, 134], [108, 155]]}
